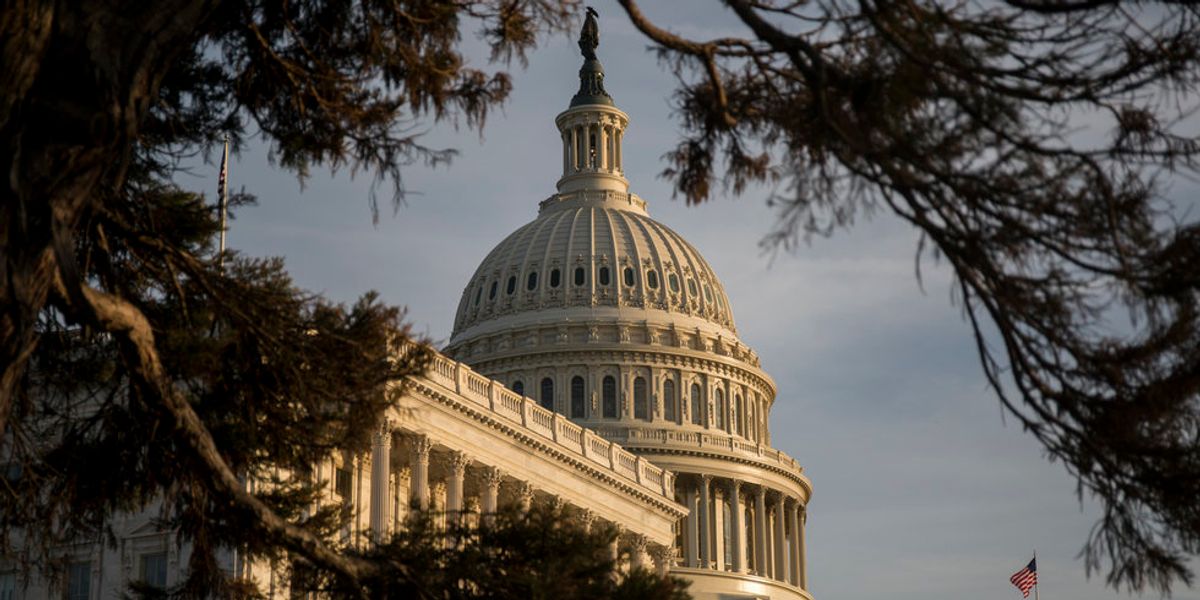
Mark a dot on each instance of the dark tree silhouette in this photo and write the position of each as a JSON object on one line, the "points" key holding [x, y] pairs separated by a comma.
{"points": [[1079, 277]]}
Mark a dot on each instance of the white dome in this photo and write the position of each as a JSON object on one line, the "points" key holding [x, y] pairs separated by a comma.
{"points": [[593, 256]]}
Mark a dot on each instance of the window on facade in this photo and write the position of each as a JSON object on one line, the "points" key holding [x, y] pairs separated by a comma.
{"points": [[580, 276], [692, 287], [673, 281], [603, 275], [577, 397], [79, 580], [548, 393], [555, 278], [154, 570], [531, 281], [708, 293], [341, 482], [739, 407], [628, 276], [518, 386], [8, 586], [608, 391], [719, 399], [669, 401], [641, 406], [696, 401], [652, 279], [511, 286], [478, 294]]}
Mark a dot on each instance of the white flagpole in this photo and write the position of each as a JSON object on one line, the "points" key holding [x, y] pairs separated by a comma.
{"points": [[223, 203], [1035, 581]]}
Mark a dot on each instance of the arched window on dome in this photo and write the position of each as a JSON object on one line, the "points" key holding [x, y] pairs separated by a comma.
{"points": [[608, 391], [708, 297], [652, 279], [739, 408], [531, 281], [580, 276], [697, 416], [603, 275], [478, 294], [547, 399], [555, 278], [719, 400], [641, 407], [492, 292], [673, 281], [577, 397], [518, 387], [692, 287], [669, 401], [511, 286], [628, 276]]}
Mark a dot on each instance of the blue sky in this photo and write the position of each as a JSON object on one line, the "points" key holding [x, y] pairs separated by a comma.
{"points": [[922, 491]]}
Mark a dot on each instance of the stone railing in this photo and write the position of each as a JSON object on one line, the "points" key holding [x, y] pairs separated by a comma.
{"points": [[493, 397], [724, 443]]}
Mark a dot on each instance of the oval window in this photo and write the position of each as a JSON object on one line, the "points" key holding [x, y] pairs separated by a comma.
{"points": [[555, 278], [492, 292], [652, 279], [628, 277], [512, 285], [579, 276], [673, 281], [531, 283], [603, 275]]}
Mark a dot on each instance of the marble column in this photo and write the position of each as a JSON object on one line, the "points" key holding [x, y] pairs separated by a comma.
{"points": [[614, 552], [691, 531], [420, 471], [803, 522], [662, 559], [718, 528], [490, 477], [457, 466], [601, 147], [637, 552], [780, 559], [381, 460], [736, 527], [523, 492], [705, 523], [760, 531], [794, 524]]}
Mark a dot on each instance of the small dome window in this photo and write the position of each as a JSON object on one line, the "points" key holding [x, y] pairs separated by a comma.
{"points": [[580, 276], [492, 292], [603, 275], [531, 282], [652, 279], [628, 276], [692, 287], [673, 281], [708, 293], [478, 294], [555, 278], [511, 286]]}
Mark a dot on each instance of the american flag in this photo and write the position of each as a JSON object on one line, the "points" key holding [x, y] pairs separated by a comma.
{"points": [[1026, 578]]}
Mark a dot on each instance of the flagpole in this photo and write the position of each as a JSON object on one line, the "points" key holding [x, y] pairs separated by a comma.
{"points": [[223, 205], [1035, 581]]}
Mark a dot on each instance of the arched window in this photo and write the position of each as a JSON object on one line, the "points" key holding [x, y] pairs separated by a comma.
{"points": [[492, 292], [707, 293], [697, 417], [478, 294], [673, 281], [512, 285], [518, 386], [608, 391], [531, 283], [577, 397], [669, 401], [628, 276], [580, 276], [548, 393], [652, 279], [739, 407], [692, 287], [603, 275], [719, 398], [641, 408], [555, 278]]}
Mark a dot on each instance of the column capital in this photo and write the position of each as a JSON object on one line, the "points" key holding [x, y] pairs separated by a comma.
{"points": [[421, 445], [491, 476], [762, 491], [384, 429], [457, 461], [523, 490], [586, 517]]}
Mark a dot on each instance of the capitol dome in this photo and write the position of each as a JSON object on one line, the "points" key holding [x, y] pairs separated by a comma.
{"points": [[610, 319]]}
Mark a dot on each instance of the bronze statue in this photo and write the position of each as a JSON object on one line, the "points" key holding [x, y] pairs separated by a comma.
{"points": [[589, 38]]}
